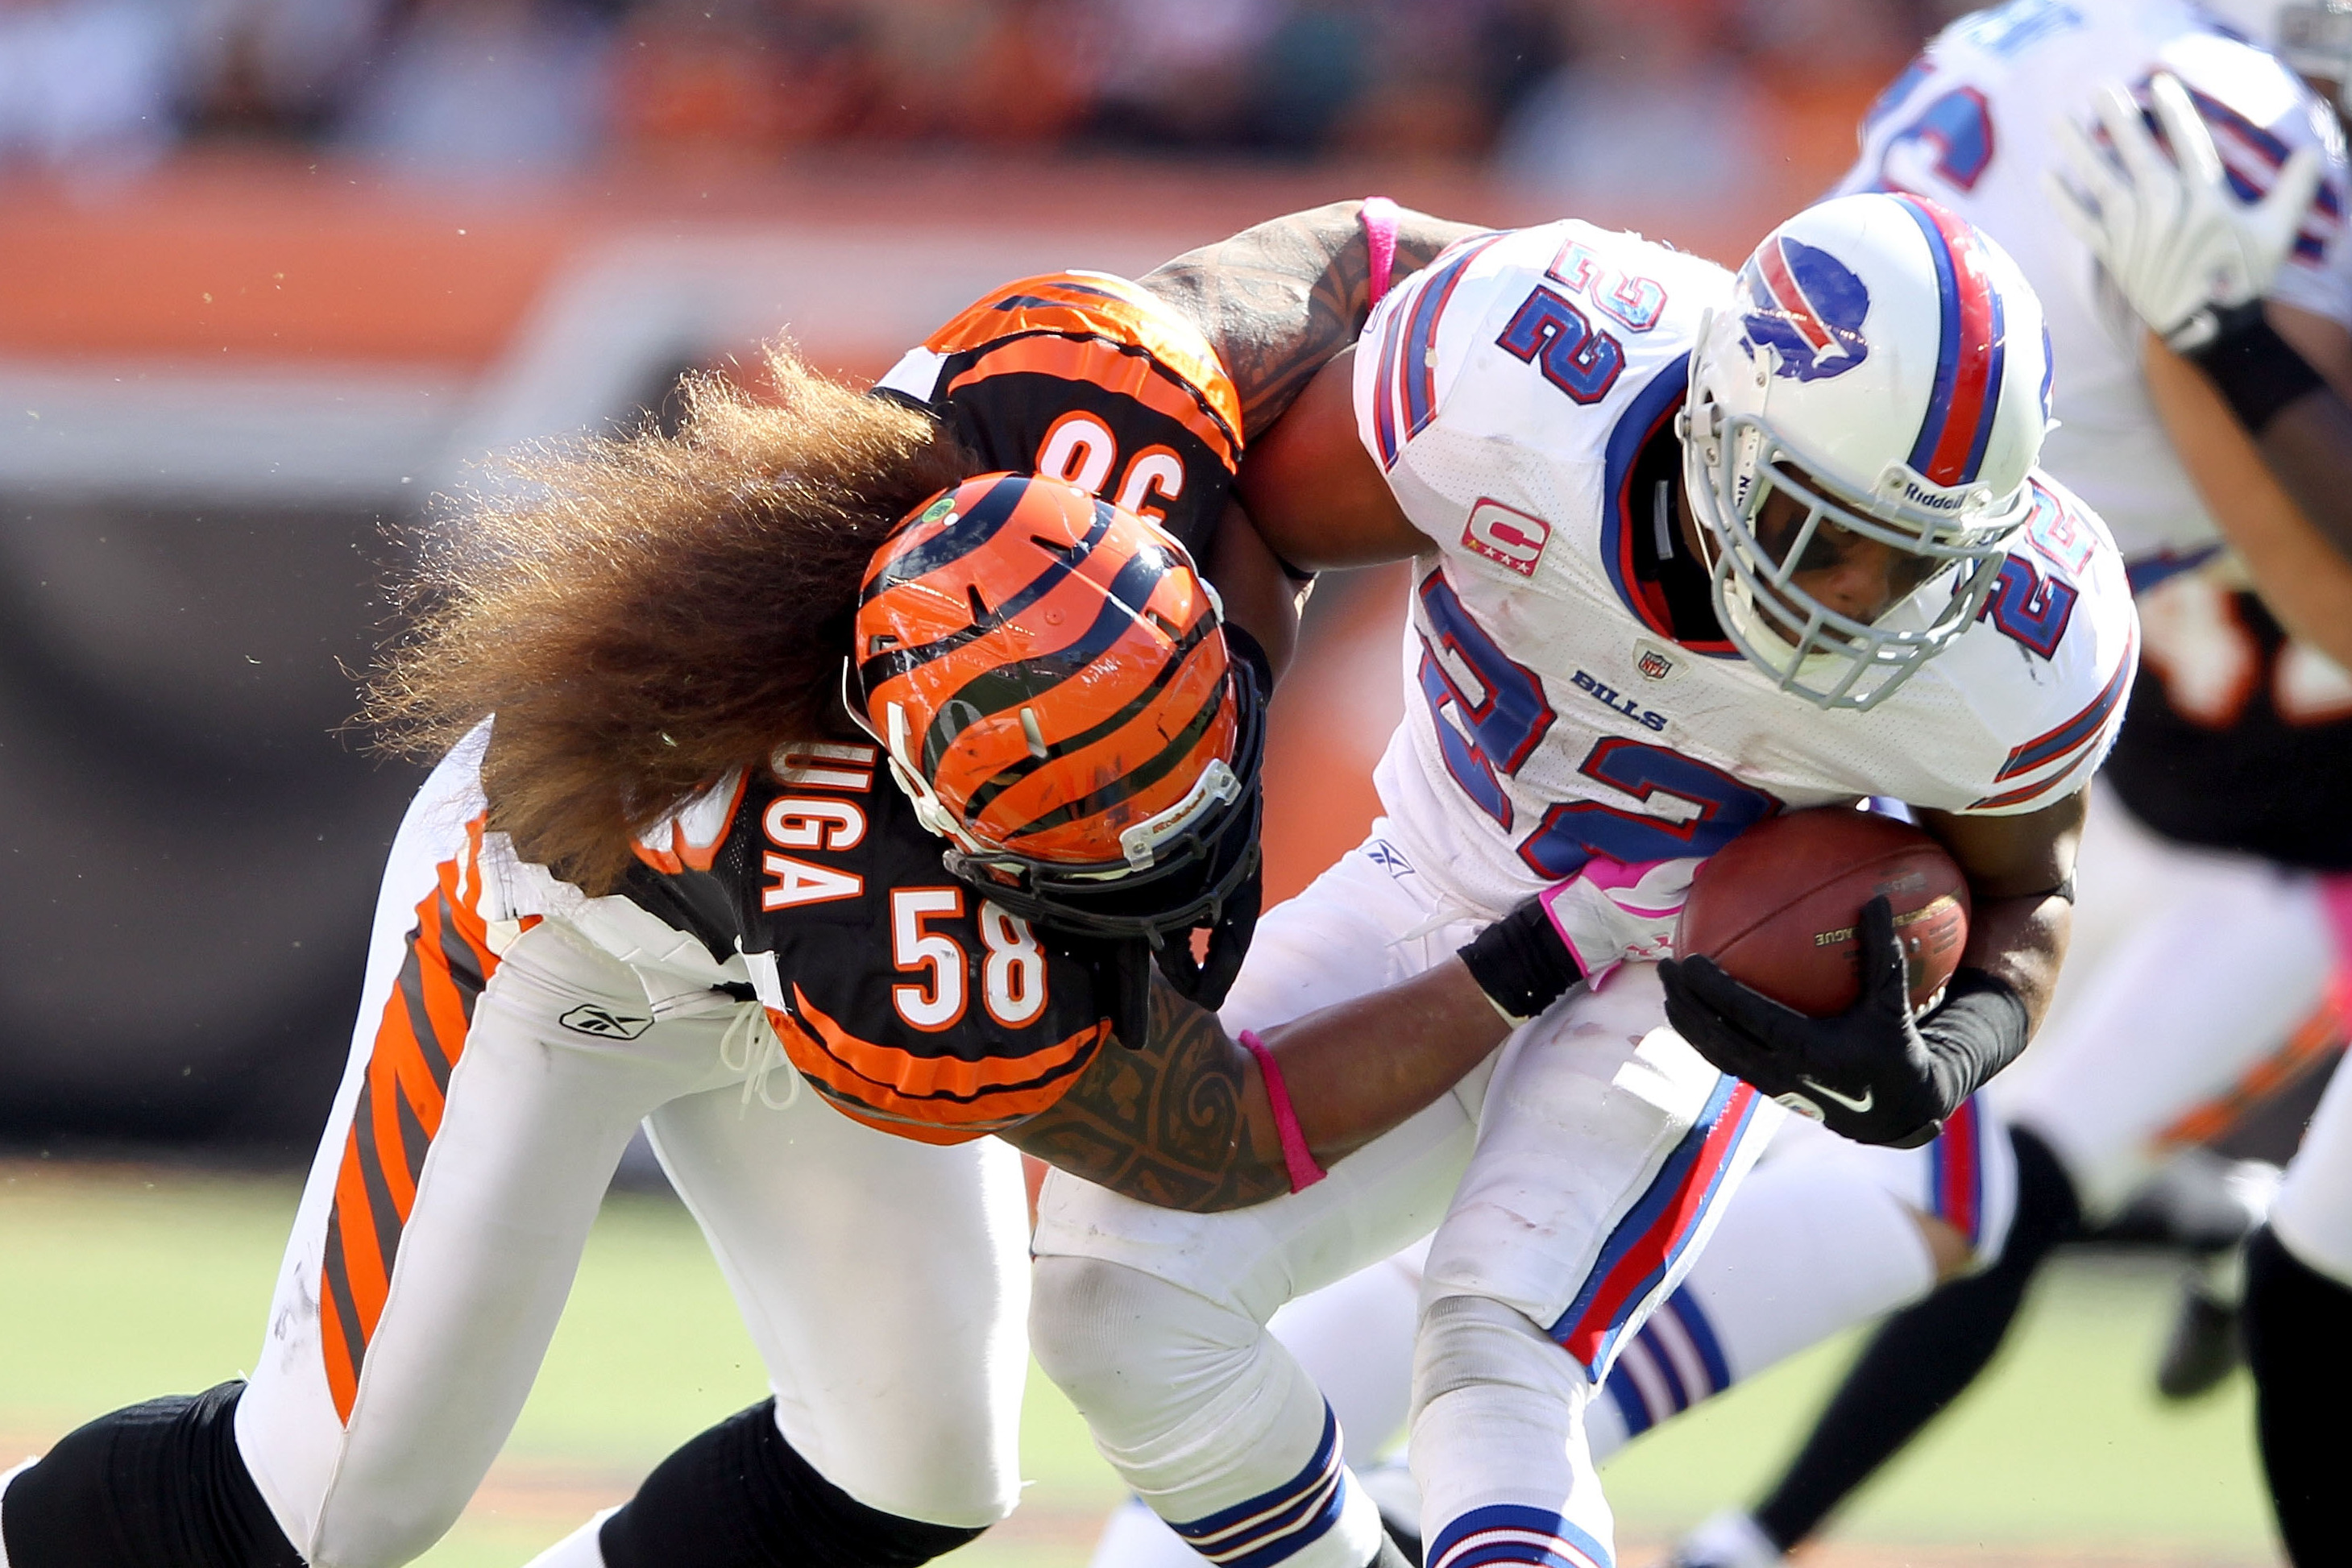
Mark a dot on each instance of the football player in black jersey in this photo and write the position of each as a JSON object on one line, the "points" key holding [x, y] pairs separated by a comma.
{"points": [[785, 753]]}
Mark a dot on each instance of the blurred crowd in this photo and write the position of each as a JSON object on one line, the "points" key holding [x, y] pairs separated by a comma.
{"points": [[1689, 93]]}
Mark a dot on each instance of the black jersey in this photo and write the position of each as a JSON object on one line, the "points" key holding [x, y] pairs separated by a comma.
{"points": [[1092, 379], [2236, 737], [906, 998]]}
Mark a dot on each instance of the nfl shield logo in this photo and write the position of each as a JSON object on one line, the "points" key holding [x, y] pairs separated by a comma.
{"points": [[1653, 665]]}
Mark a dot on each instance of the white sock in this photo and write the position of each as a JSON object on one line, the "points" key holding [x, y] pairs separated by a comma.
{"points": [[577, 1550], [1808, 1247], [1498, 1442], [1354, 1338], [1206, 1417]]}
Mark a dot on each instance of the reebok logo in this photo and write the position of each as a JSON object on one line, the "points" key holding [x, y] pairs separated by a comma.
{"points": [[605, 1024]]}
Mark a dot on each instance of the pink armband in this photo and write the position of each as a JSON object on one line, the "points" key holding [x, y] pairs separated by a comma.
{"points": [[1379, 216], [1304, 1171]]}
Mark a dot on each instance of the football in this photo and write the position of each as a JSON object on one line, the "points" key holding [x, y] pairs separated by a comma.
{"points": [[1777, 908]]}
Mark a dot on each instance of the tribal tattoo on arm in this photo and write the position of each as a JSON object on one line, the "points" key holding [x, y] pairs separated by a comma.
{"points": [[1278, 300], [1179, 1124]]}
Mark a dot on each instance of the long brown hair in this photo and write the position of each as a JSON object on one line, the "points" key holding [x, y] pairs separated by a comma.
{"points": [[645, 612]]}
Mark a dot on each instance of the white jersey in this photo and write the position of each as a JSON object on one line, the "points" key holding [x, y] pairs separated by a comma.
{"points": [[1971, 125], [1508, 391]]}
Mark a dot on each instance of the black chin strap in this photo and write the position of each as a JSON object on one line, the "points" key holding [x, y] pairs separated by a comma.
{"points": [[1206, 981]]}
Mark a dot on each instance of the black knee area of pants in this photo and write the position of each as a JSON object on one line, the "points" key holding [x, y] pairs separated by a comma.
{"points": [[2301, 1361], [160, 1484], [1922, 1357], [738, 1496]]}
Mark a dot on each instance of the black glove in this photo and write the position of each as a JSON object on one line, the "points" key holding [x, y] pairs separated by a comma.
{"points": [[1871, 1073]]}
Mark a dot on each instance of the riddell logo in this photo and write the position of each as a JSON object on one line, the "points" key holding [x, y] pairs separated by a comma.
{"points": [[591, 1019], [1505, 536]]}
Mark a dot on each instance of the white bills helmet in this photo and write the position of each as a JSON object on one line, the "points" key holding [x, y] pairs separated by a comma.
{"points": [[2313, 36], [1884, 365]]}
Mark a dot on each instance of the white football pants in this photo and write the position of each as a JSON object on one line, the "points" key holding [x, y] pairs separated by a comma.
{"points": [[494, 1081], [2194, 973], [1603, 1156], [2312, 1215]]}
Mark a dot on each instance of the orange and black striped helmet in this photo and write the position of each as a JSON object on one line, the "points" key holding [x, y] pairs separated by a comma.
{"points": [[1051, 680]]}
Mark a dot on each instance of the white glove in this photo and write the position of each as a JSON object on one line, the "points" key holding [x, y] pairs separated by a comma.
{"points": [[2177, 242], [1613, 912]]}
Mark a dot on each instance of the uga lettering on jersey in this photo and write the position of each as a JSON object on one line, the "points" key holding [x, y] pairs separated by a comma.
{"points": [[1505, 536], [814, 821]]}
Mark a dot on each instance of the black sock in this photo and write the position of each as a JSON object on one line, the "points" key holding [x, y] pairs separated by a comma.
{"points": [[1922, 1358], [160, 1484], [2301, 1362], [737, 1496]]}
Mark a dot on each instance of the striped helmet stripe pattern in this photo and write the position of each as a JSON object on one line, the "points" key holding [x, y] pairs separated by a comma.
{"points": [[1058, 673], [1969, 354]]}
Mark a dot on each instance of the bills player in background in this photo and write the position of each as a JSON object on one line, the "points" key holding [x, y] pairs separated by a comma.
{"points": [[2203, 841], [1690, 549], [2183, 256]]}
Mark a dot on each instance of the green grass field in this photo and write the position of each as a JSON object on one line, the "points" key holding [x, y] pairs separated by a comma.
{"points": [[120, 1283]]}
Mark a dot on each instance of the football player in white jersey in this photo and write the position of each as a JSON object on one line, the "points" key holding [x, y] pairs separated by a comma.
{"points": [[2160, 229], [679, 875], [1690, 550], [2233, 877]]}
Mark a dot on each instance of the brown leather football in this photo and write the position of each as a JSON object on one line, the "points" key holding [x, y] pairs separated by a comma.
{"points": [[1777, 907]]}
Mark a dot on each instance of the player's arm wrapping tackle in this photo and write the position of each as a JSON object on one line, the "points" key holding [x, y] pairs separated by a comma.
{"points": [[1280, 299], [1196, 1120], [1874, 1073]]}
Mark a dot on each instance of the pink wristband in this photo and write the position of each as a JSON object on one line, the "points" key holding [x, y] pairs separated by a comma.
{"points": [[1304, 1171], [1379, 216]]}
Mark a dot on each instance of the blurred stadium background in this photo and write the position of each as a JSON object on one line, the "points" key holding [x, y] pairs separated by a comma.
{"points": [[273, 273]]}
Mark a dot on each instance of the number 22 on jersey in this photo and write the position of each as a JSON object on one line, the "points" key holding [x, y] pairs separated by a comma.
{"points": [[1490, 714]]}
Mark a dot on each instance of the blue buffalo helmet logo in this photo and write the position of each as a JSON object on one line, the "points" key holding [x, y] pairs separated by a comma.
{"points": [[1808, 307]]}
